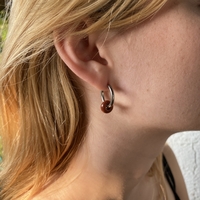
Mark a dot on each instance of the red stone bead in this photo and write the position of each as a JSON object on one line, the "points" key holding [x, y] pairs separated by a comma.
{"points": [[105, 107]]}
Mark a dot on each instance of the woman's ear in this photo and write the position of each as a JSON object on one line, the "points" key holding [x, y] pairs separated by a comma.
{"points": [[82, 56]]}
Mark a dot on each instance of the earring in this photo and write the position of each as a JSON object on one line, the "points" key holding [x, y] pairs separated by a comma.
{"points": [[107, 105]]}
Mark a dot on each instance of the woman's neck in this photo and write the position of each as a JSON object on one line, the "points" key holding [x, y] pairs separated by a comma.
{"points": [[113, 164], [114, 160]]}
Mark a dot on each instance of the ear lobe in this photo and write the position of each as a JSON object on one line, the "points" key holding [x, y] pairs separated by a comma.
{"points": [[81, 55]]}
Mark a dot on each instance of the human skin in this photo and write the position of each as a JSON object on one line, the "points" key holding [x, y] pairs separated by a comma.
{"points": [[154, 69], [161, 57]]}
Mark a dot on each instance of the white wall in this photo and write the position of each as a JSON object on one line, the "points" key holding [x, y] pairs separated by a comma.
{"points": [[186, 146]]}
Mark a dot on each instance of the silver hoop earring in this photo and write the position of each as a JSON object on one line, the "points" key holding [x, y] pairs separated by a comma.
{"points": [[107, 105]]}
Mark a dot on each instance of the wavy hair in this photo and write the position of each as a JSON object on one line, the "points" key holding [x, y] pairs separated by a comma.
{"points": [[43, 113]]}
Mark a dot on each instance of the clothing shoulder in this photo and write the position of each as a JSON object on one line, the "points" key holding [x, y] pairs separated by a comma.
{"points": [[175, 169]]}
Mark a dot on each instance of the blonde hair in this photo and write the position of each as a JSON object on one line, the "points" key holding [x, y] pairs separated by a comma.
{"points": [[43, 118]]}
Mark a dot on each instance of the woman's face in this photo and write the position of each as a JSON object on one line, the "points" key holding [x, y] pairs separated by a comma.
{"points": [[156, 68]]}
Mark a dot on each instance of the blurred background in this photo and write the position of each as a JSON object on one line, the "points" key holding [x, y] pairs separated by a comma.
{"points": [[2, 4], [186, 146], [3, 27]]}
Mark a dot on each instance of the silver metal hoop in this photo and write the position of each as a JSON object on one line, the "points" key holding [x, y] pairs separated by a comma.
{"points": [[112, 97]]}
